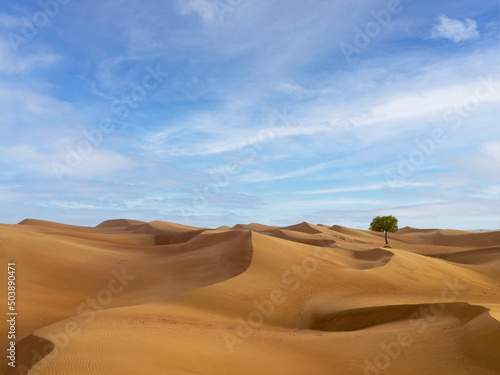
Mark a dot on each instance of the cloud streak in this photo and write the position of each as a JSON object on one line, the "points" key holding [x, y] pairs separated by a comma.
{"points": [[404, 184]]}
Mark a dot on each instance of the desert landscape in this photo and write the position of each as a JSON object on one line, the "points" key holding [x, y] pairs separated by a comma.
{"points": [[186, 187], [130, 297]]}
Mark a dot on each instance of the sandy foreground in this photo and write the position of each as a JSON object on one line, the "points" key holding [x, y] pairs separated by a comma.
{"points": [[130, 297]]}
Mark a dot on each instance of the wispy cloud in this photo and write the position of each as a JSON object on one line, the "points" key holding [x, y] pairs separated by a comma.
{"points": [[204, 8], [39, 161], [8, 22], [30, 104], [455, 30], [263, 177], [209, 11], [11, 62], [212, 136], [370, 187], [314, 204], [491, 192]]}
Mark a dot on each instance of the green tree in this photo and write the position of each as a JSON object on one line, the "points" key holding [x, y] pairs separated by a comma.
{"points": [[384, 224]]}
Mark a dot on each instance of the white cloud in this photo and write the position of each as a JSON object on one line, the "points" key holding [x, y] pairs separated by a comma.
{"points": [[483, 161], [145, 203], [100, 162], [10, 193], [11, 62], [103, 163], [490, 192], [206, 9], [428, 91], [492, 149], [19, 107], [406, 106], [440, 209], [455, 30], [182, 140], [26, 102], [326, 203], [371, 187], [7, 21], [262, 177], [208, 134], [298, 91]]}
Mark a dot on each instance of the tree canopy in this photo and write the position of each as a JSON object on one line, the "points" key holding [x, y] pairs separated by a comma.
{"points": [[384, 224]]}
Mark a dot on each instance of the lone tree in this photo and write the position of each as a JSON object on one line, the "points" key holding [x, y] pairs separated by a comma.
{"points": [[384, 224]]}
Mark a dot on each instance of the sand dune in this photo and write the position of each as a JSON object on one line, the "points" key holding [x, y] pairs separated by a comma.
{"points": [[169, 233], [451, 237], [255, 227], [306, 228], [305, 238], [477, 256], [358, 319], [130, 297]]}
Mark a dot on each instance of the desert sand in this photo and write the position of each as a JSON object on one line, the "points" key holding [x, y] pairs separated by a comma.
{"points": [[130, 297]]}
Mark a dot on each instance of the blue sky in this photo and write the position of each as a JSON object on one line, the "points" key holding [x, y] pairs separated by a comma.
{"points": [[212, 112]]}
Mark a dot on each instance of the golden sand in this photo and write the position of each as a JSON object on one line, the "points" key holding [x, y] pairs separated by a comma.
{"points": [[129, 297]]}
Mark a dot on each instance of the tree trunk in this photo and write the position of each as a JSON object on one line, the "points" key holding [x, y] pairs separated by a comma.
{"points": [[387, 243]]}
